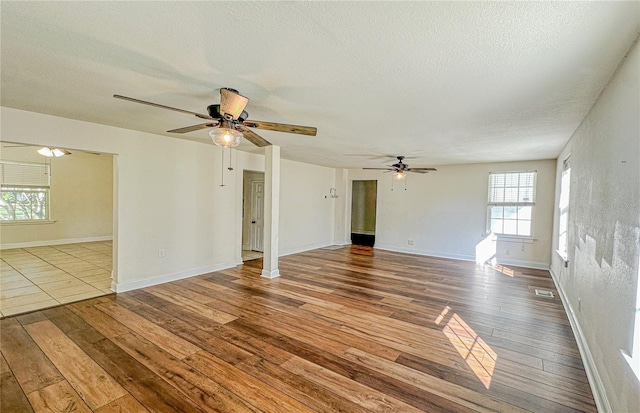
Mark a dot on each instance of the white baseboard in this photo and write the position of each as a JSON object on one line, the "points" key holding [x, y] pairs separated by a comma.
{"points": [[161, 279], [461, 257], [306, 248], [526, 264], [394, 248], [595, 381], [53, 242], [270, 274]]}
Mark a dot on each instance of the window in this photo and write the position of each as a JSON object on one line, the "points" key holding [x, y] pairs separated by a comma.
{"points": [[511, 202], [24, 192], [563, 226]]}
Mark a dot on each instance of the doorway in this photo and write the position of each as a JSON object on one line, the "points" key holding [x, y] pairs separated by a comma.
{"points": [[363, 212], [252, 215], [70, 258]]}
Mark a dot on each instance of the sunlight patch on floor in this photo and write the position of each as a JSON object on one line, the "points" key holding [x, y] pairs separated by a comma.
{"points": [[472, 348]]}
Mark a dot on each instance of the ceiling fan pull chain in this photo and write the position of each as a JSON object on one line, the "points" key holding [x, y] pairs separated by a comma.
{"points": [[222, 167], [230, 167]]}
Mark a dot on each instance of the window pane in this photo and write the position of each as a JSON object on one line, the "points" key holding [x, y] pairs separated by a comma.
{"points": [[524, 228], [511, 195], [525, 212], [496, 226], [18, 204], [510, 227], [497, 195], [510, 212], [511, 179], [496, 212], [526, 195]]}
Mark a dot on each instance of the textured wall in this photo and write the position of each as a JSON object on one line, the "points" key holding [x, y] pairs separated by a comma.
{"points": [[600, 282]]}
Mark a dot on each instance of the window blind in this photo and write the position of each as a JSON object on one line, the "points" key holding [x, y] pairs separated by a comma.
{"points": [[512, 188], [18, 174]]}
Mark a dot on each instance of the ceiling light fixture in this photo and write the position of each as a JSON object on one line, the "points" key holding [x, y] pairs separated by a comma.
{"points": [[225, 136], [53, 152], [399, 175]]}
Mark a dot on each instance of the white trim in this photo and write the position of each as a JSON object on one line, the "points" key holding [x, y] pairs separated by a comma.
{"points": [[270, 273], [525, 264], [27, 222], [595, 381], [307, 248], [461, 257], [161, 279], [425, 253], [53, 242]]}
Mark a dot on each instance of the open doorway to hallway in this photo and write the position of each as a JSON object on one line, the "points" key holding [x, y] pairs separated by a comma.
{"points": [[252, 215], [363, 212]]}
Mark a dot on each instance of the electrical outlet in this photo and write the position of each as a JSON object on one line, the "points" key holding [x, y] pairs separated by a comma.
{"points": [[410, 242], [161, 253]]}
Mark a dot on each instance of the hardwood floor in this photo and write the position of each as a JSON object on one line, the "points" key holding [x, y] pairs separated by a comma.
{"points": [[349, 330]]}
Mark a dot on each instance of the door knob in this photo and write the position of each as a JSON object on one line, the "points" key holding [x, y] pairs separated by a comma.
{"points": [[253, 222]]}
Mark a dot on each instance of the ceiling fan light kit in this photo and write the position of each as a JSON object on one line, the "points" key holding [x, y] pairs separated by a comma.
{"points": [[225, 136], [53, 152]]}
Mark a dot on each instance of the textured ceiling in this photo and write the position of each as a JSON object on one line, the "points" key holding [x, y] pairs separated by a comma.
{"points": [[444, 82]]}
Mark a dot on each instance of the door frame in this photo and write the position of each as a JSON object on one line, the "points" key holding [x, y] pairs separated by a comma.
{"points": [[252, 218]]}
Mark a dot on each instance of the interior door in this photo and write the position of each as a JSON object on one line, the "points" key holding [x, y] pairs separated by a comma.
{"points": [[257, 216]]}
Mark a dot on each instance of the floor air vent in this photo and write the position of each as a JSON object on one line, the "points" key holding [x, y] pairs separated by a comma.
{"points": [[544, 293]]}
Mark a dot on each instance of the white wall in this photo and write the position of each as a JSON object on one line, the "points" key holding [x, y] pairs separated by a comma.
{"points": [[444, 213], [81, 200], [307, 211], [306, 208], [168, 196], [604, 236]]}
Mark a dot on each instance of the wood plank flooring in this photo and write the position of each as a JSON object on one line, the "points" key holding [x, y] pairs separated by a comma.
{"points": [[349, 330]]}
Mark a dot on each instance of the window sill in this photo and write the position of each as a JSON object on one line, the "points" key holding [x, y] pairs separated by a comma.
{"points": [[39, 222], [562, 255], [634, 363], [515, 238]]}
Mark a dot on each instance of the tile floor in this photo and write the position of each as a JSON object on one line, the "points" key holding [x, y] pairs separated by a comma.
{"points": [[40, 277]]}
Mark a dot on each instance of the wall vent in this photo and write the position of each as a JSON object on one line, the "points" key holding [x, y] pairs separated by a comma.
{"points": [[544, 293]]}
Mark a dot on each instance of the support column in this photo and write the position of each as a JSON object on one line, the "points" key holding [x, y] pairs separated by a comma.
{"points": [[271, 211]]}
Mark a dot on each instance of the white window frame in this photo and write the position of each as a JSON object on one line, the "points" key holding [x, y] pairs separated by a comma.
{"points": [[24, 177], [563, 209], [493, 202]]}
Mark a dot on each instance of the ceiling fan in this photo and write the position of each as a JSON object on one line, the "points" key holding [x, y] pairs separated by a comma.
{"points": [[400, 168], [230, 121]]}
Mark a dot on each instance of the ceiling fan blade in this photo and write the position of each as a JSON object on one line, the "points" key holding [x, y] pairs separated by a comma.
{"points": [[232, 103], [194, 128], [281, 127], [416, 171], [253, 137], [422, 169], [144, 102], [381, 169]]}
